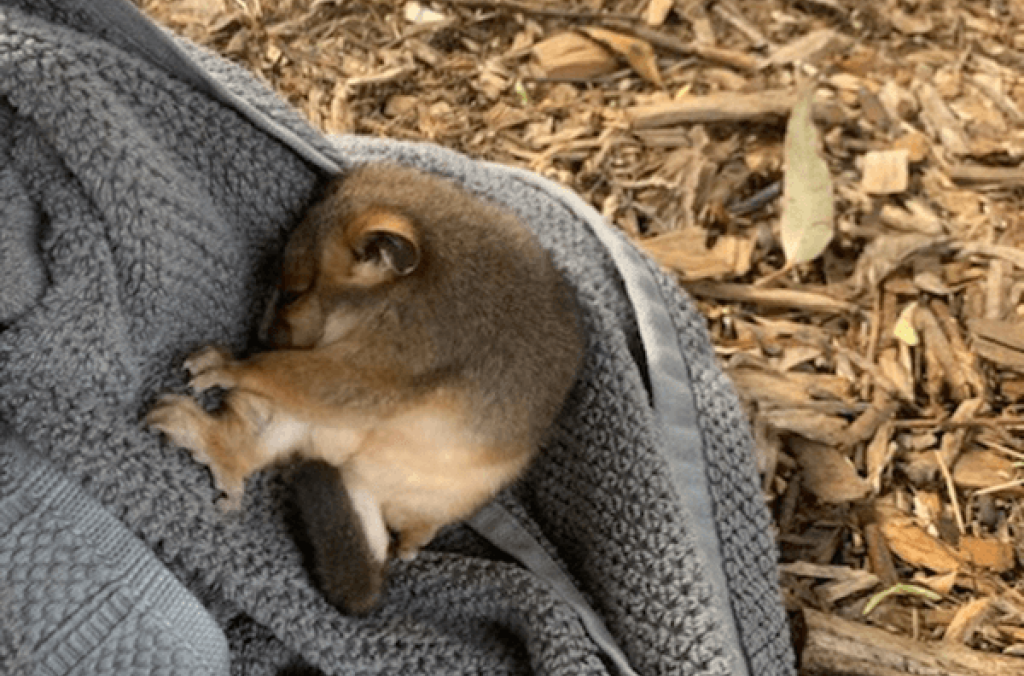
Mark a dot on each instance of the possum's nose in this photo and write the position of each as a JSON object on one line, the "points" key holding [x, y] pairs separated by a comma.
{"points": [[280, 335]]}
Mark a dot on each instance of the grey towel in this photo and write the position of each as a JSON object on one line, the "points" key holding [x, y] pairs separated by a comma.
{"points": [[146, 187], [81, 594]]}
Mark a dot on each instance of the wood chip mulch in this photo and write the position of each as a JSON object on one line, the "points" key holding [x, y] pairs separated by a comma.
{"points": [[885, 377]]}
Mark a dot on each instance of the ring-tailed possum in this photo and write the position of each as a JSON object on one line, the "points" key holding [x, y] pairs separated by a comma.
{"points": [[423, 342]]}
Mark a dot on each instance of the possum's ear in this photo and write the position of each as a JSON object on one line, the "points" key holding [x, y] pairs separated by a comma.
{"points": [[385, 244], [372, 247]]}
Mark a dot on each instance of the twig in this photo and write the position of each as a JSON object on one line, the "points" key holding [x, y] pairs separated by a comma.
{"points": [[527, 8], [876, 326], [757, 201], [732, 16], [971, 173], [670, 43], [772, 277], [951, 489], [1000, 487], [940, 424], [783, 298]]}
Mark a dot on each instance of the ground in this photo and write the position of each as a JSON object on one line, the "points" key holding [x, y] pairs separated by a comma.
{"points": [[861, 274]]}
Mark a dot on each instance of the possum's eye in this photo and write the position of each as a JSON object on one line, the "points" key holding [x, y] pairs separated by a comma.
{"points": [[286, 298]]}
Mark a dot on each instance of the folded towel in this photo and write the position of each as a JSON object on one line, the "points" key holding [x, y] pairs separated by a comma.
{"points": [[81, 594], [146, 188]]}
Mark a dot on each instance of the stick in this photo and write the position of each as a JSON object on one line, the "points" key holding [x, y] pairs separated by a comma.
{"points": [[527, 8], [837, 647]]}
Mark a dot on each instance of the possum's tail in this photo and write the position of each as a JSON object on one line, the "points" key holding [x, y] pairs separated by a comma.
{"points": [[348, 535]]}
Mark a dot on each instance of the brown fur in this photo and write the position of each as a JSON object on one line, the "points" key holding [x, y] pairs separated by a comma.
{"points": [[424, 344]]}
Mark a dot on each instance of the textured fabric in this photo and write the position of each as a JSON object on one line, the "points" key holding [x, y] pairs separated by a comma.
{"points": [[81, 595], [152, 215]]}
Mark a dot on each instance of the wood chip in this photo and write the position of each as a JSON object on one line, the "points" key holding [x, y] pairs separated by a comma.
{"points": [[685, 253], [834, 645], [724, 107], [727, 57], [839, 590], [984, 469], [879, 555], [824, 572], [898, 347], [1006, 253], [938, 346], [794, 390], [1002, 176], [732, 15], [941, 121], [912, 24], [1000, 341], [914, 217], [886, 254], [916, 144], [886, 172], [806, 49], [988, 553], [878, 455], [916, 547], [657, 11], [574, 57], [966, 621]]}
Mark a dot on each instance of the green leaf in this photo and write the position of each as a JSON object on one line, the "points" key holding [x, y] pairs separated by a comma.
{"points": [[520, 89], [807, 208], [900, 590]]}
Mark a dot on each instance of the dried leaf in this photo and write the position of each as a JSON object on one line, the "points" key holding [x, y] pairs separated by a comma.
{"points": [[983, 469], [878, 455], [807, 209], [638, 53], [904, 328], [829, 474], [887, 253]]}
